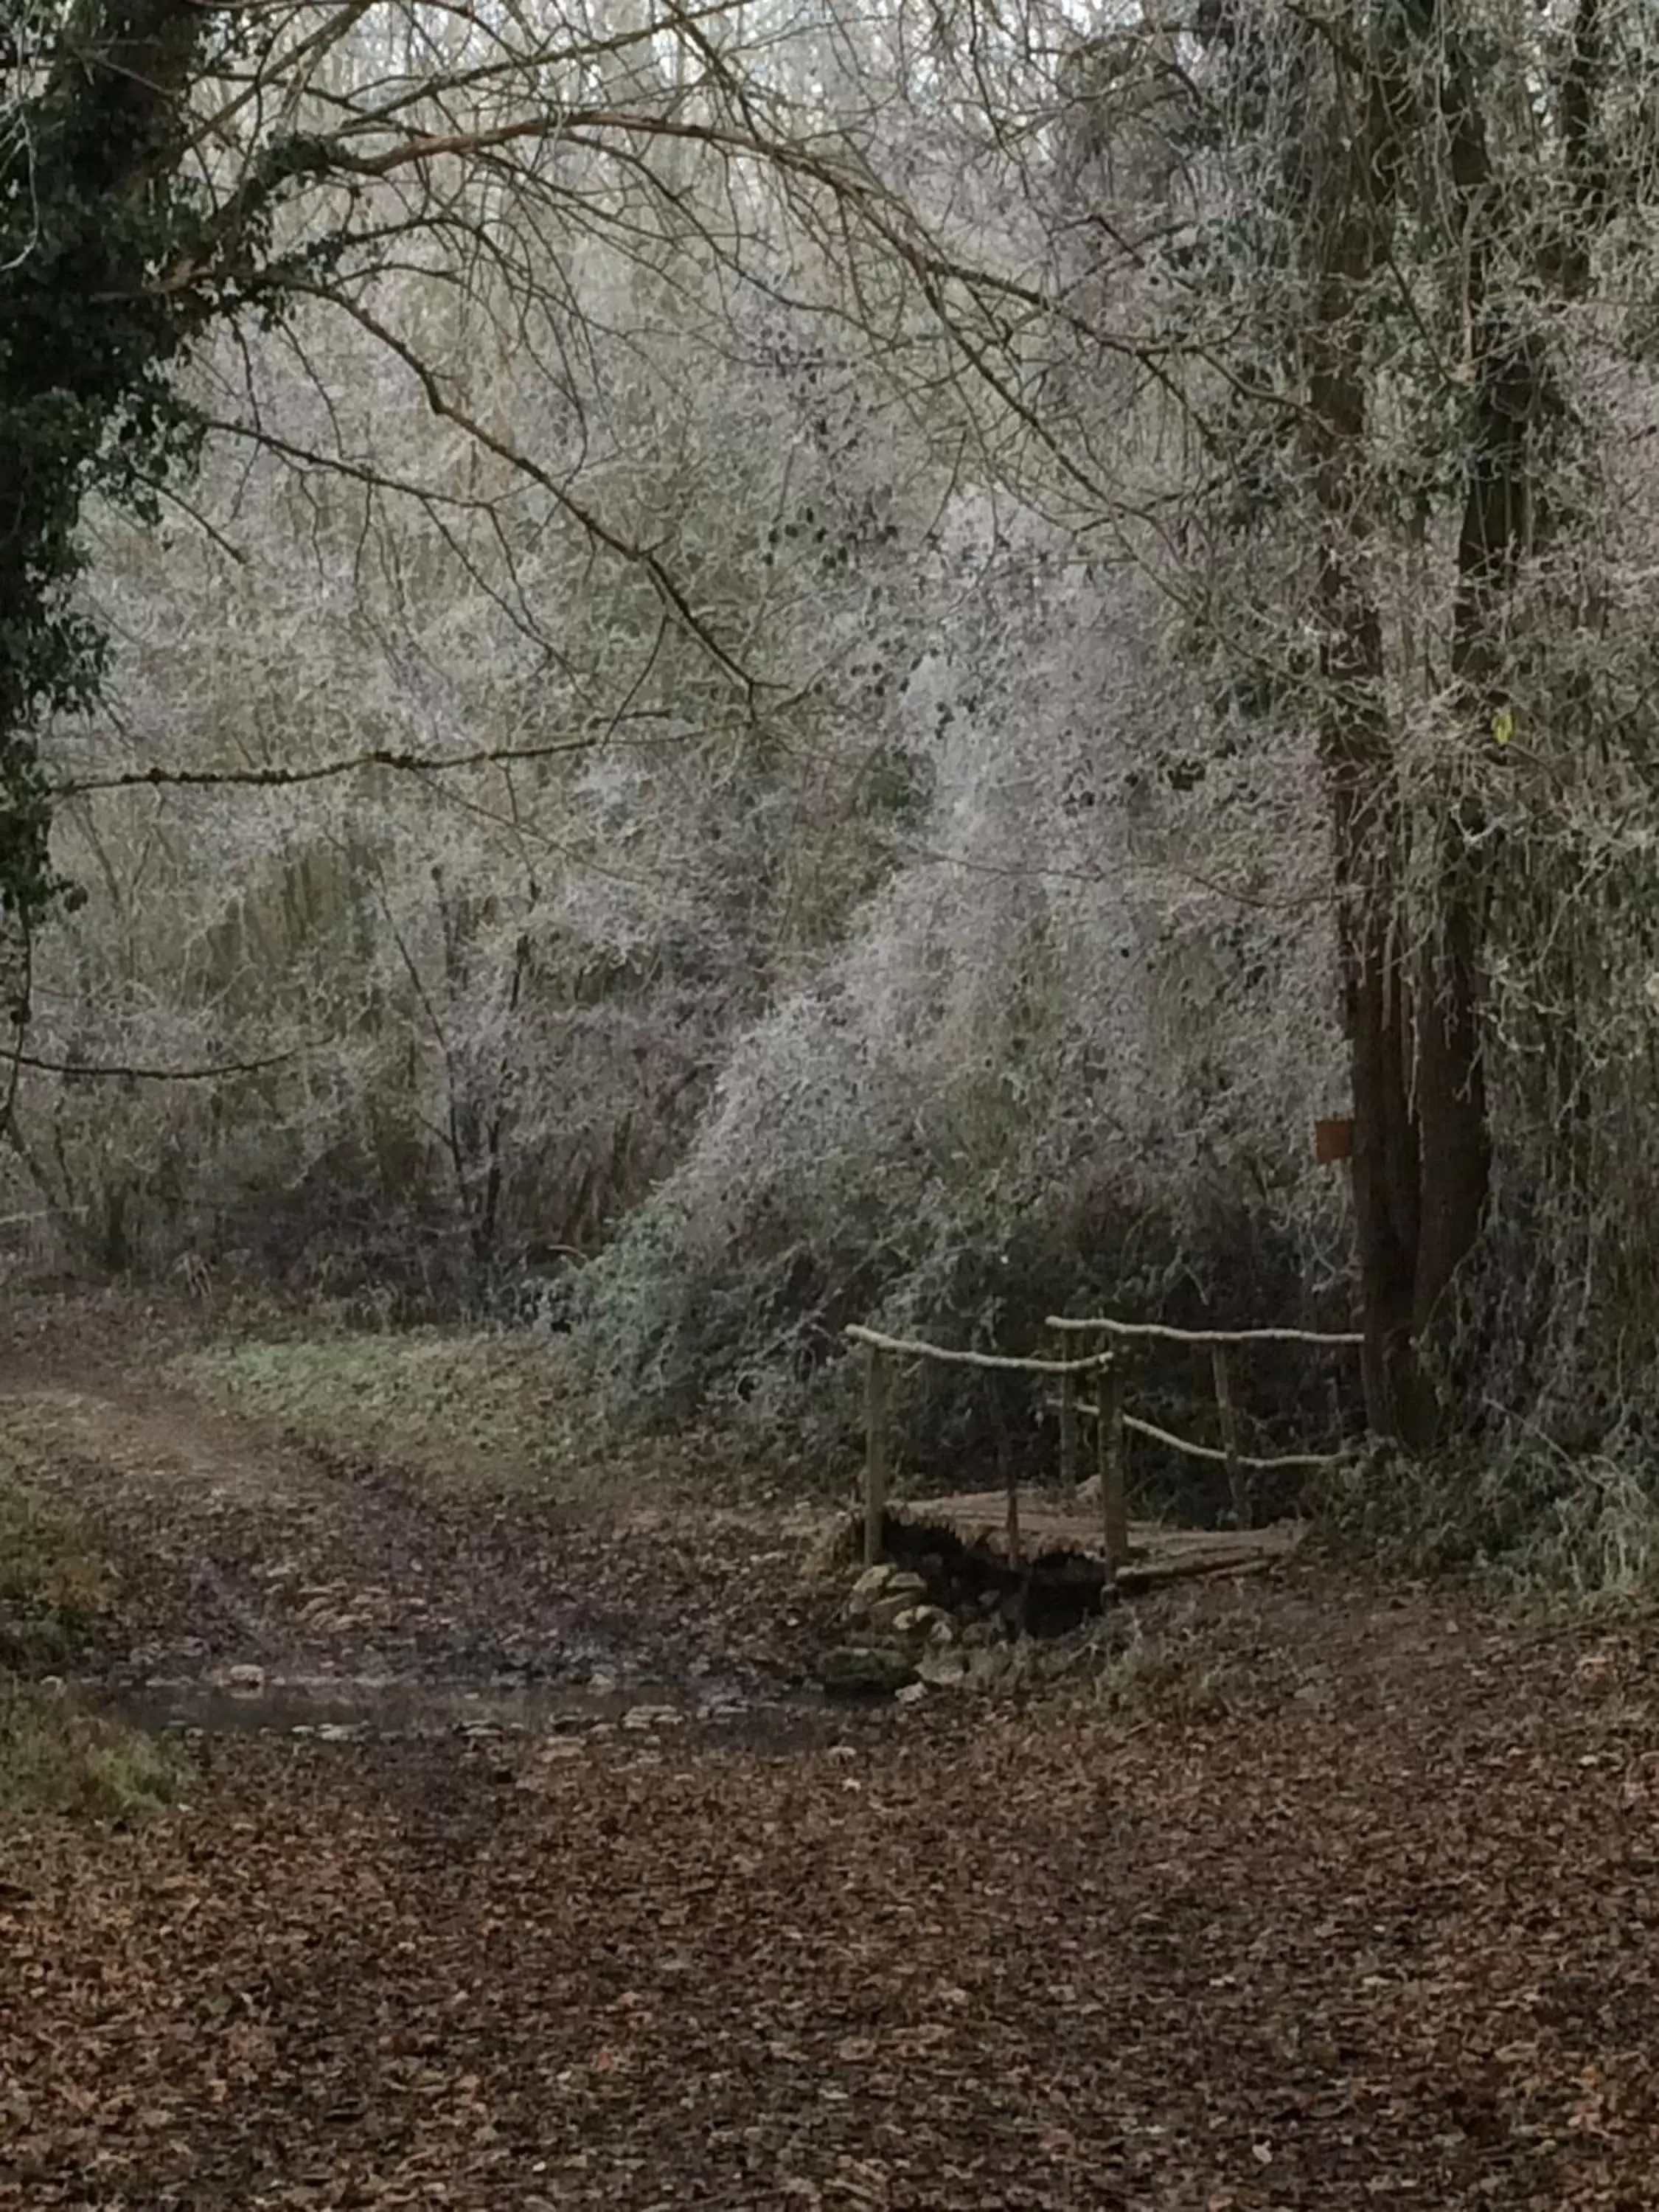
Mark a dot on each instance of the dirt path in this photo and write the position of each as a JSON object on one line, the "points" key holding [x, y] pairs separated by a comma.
{"points": [[1330, 1900], [238, 1549]]}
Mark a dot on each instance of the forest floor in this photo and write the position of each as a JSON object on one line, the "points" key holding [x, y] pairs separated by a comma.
{"points": [[1326, 1895]]}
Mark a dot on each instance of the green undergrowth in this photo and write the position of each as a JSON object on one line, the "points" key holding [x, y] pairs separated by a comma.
{"points": [[55, 1593], [1525, 1518], [1153, 1680], [54, 1588], [463, 1412], [57, 1758], [447, 1406]]}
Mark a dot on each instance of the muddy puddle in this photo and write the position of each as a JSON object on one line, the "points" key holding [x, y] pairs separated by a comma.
{"points": [[337, 1710]]}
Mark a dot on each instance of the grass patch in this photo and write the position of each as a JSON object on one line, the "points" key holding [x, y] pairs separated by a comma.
{"points": [[453, 1408], [462, 1412], [1529, 1517], [54, 1588], [57, 1758], [1172, 1683]]}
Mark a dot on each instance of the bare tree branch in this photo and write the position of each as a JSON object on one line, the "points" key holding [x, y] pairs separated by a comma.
{"points": [[273, 778]]}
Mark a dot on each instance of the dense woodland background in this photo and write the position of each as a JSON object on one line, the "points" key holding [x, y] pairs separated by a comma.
{"points": [[842, 684]]}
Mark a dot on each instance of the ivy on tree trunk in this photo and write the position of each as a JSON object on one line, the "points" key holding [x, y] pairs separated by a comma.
{"points": [[1392, 158], [113, 259]]}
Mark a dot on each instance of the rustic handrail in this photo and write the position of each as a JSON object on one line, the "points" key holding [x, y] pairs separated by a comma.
{"points": [[1158, 1436], [1101, 1327], [1111, 1422], [1215, 1341], [909, 1348], [879, 1349]]}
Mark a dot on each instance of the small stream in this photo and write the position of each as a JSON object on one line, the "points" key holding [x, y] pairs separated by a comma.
{"points": [[333, 1709]]}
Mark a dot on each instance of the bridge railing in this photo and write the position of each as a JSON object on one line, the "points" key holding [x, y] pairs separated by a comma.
{"points": [[1112, 1423]]}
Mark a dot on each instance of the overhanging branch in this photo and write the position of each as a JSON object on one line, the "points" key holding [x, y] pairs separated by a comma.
{"points": [[271, 779]]}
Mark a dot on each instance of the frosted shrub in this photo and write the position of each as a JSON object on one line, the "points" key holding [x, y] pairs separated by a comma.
{"points": [[486, 1001], [1050, 1068]]}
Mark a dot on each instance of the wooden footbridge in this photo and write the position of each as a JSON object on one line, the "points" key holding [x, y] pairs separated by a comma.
{"points": [[1068, 1514]]}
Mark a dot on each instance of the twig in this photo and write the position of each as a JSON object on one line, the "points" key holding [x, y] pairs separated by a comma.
{"points": [[137, 1074]]}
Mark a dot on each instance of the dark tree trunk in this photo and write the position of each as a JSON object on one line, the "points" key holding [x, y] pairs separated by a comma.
{"points": [[1515, 400], [104, 127], [1386, 1160], [1367, 824], [1422, 1169]]}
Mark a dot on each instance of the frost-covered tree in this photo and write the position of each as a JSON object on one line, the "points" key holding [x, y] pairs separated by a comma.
{"points": [[170, 171], [467, 279], [400, 778], [882, 629], [1052, 1061], [1343, 360], [1390, 252]]}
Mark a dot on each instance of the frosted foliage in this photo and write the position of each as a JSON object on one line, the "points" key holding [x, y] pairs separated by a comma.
{"points": [[649, 455], [1051, 1046], [502, 991], [819, 565]]}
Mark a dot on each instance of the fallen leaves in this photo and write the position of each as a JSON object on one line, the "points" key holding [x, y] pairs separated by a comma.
{"points": [[1260, 1951], [1043, 1961]]}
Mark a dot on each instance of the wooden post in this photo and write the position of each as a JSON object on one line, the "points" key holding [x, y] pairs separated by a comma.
{"points": [[1108, 1447], [1007, 1466], [1010, 1485], [877, 1396], [1068, 1476], [1223, 1398]]}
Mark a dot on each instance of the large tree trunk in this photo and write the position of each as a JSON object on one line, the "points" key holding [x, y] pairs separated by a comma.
{"points": [[1423, 1149], [1386, 1161], [103, 130], [1367, 828], [1514, 397]]}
